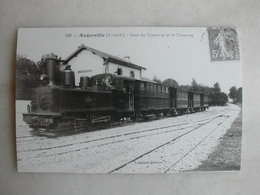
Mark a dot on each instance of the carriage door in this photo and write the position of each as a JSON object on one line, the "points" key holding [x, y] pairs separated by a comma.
{"points": [[202, 100], [130, 92], [190, 99]]}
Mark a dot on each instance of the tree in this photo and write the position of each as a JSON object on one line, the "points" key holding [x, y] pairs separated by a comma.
{"points": [[223, 98], [170, 83], [205, 89], [27, 77], [42, 62], [239, 94], [233, 94], [217, 98], [194, 85], [216, 87], [184, 87], [155, 79]]}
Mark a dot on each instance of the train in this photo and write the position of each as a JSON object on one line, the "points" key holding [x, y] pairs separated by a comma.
{"points": [[102, 99]]}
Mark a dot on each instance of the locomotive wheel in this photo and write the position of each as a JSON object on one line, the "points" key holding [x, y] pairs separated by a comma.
{"points": [[55, 125], [133, 118], [174, 113], [115, 117], [157, 115]]}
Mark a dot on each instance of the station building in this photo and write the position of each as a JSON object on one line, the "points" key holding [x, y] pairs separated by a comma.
{"points": [[86, 61]]}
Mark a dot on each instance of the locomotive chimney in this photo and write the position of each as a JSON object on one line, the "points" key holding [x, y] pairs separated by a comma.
{"points": [[52, 63]]}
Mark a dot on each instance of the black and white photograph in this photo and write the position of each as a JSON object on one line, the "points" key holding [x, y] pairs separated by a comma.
{"points": [[128, 99]]}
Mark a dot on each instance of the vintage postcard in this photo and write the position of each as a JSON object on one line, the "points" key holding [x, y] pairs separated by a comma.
{"points": [[128, 100]]}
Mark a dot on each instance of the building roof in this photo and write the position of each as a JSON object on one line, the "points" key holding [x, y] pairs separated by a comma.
{"points": [[108, 57]]}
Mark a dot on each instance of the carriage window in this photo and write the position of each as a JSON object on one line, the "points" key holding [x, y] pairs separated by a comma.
{"points": [[119, 71], [142, 87], [166, 89], [181, 95], [149, 88]]}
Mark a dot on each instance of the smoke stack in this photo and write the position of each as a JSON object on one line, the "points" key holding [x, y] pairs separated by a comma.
{"points": [[52, 63]]}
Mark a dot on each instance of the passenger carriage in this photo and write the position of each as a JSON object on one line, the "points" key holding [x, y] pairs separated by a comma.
{"points": [[151, 98]]}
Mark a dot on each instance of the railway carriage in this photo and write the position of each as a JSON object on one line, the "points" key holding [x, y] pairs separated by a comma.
{"points": [[196, 101], [205, 101], [179, 101], [151, 98]]}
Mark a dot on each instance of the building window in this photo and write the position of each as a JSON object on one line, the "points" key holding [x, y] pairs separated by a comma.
{"points": [[119, 71], [132, 74], [106, 65]]}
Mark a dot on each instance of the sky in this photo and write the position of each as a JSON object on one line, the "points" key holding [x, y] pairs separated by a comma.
{"points": [[168, 52]]}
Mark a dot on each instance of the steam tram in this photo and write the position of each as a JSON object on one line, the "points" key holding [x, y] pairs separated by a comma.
{"points": [[101, 99]]}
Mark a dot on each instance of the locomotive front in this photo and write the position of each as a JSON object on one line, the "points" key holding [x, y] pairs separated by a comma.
{"points": [[43, 111]]}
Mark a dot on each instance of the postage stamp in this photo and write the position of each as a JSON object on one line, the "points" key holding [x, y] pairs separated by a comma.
{"points": [[223, 44]]}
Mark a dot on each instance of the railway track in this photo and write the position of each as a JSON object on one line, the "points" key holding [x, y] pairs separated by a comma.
{"points": [[165, 129], [164, 144], [192, 148], [114, 136], [102, 146], [118, 135], [102, 139]]}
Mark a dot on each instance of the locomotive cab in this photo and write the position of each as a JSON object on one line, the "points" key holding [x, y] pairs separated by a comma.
{"points": [[122, 89]]}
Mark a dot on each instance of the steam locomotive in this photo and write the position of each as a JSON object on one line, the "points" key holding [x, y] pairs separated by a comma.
{"points": [[102, 98]]}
